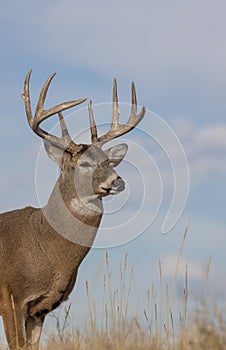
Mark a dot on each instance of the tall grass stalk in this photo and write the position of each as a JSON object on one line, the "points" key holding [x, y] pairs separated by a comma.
{"points": [[115, 327]]}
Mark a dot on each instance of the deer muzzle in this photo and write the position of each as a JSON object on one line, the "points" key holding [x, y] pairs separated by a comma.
{"points": [[118, 185]]}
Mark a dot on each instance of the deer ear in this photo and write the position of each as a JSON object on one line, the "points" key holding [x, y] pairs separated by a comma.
{"points": [[54, 153], [116, 154]]}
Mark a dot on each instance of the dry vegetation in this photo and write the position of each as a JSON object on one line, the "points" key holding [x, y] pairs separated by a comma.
{"points": [[113, 328], [206, 331]]}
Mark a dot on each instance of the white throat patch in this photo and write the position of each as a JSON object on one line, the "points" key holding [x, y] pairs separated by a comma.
{"points": [[90, 205]]}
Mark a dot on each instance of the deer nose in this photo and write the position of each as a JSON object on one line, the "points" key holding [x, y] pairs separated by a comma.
{"points": [[118, 185]]}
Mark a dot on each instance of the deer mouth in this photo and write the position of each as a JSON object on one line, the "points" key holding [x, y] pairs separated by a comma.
{"points": [[107, 191], [117, 186]]}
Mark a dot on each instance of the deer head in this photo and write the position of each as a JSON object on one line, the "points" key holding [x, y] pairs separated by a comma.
{"points": [[89, 167]]}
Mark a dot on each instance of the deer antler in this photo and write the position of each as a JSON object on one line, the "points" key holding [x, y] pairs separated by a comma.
{"points": [[41, 114], [116, 130]]}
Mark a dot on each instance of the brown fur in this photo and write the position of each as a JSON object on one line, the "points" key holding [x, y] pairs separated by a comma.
{"points": [[42, 249], [38, 265]]}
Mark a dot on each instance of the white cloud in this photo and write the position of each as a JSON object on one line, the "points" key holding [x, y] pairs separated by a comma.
{"points": [[212, 138], [205, 147], [195, 268]]}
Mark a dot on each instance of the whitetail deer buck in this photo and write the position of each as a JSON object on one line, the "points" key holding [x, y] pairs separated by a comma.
{"points": [[38, 263]]}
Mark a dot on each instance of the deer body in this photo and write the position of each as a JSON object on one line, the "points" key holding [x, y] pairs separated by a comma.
{"points": [[42, 248], [38, 269]]}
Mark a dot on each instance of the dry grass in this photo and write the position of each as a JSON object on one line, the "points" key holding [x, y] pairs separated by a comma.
{"points": [[113, 328], [158, 328]]}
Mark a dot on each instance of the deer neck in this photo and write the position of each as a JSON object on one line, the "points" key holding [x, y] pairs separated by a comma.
{"points": [[76, 218]]}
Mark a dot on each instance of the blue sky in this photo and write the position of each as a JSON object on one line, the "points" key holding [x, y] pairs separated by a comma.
{"points": [[175, 52]]}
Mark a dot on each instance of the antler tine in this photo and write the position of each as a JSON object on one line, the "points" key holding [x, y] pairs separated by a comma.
{"points": [[115, 107], [134, 98], [42, 97], [41, 114], [135, 118], [26, 98], [93, 128], [117, 130], [64, 130]]}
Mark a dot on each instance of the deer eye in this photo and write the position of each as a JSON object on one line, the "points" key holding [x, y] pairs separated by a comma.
{"points": [[85, 164]]}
